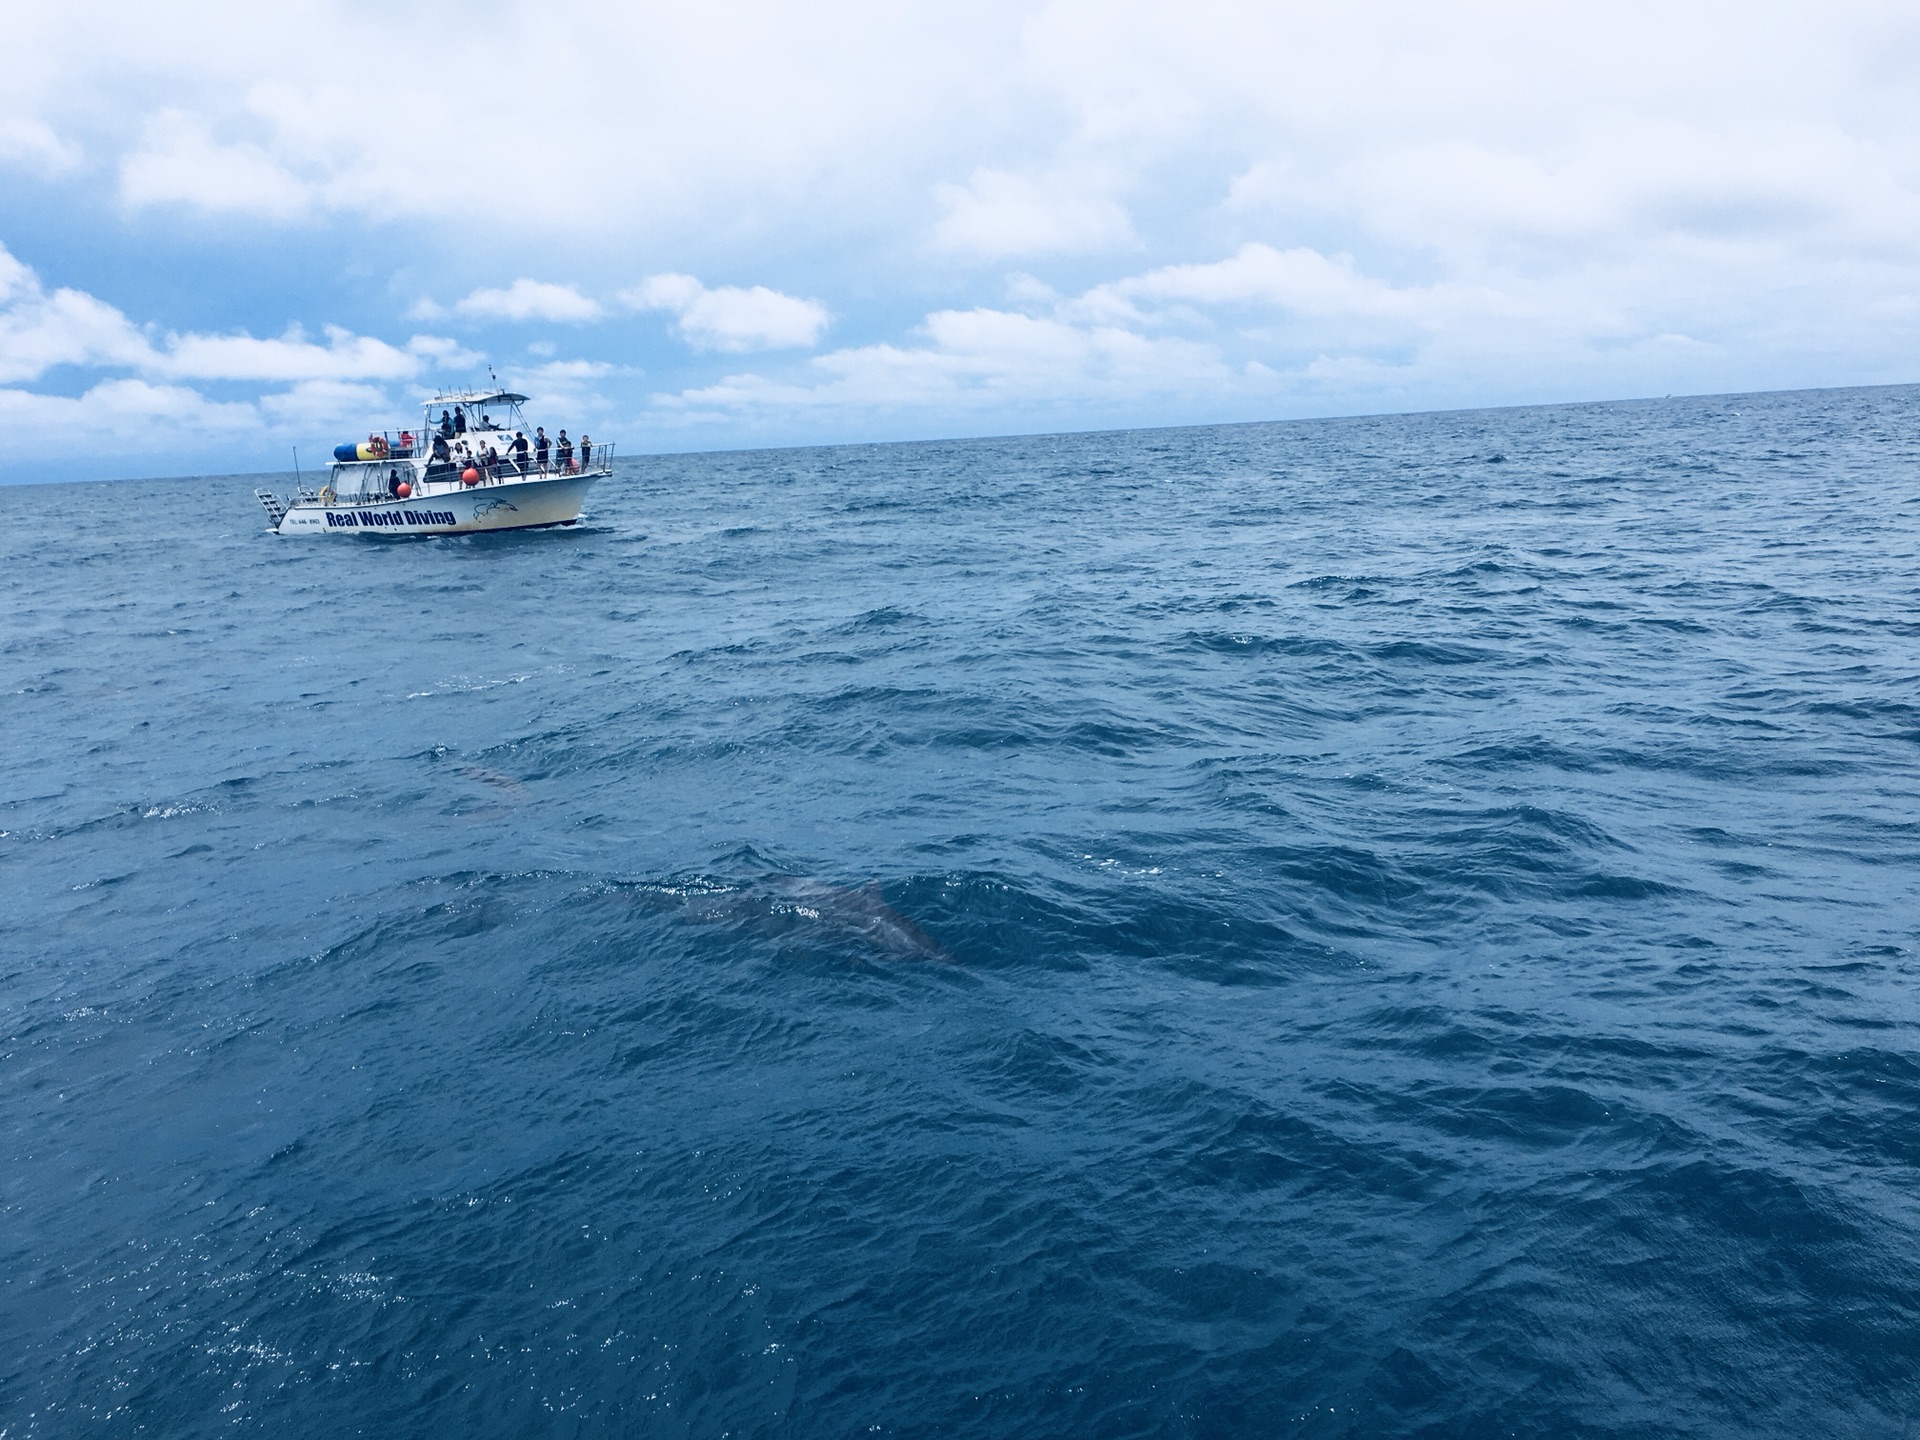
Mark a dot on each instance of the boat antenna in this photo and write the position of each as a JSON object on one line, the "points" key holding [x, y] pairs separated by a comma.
{"points": [[297, 482]]}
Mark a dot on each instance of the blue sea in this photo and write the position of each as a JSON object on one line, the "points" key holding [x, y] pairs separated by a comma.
{"points": [[1376, 927]]}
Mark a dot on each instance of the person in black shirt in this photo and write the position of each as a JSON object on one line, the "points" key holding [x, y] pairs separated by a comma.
{"points": [[540, 447], [459, 421], [586, 451], [564, 452], [519, 449]]}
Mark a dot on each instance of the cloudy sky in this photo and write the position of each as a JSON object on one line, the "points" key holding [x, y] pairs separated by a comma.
{"points": [[231, 228]]}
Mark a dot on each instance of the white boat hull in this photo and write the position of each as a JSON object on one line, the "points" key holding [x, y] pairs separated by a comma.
{"points": [[514, 505]]}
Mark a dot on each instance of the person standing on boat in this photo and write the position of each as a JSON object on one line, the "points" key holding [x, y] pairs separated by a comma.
{"points": [[519, 448], [393, 483], [564, 452], [541, 447], [446, 424], [459, 421], [586, 451]]}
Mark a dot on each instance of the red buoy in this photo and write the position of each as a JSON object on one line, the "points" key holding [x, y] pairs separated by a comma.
{"points": [[403, 490], [470, 475]]}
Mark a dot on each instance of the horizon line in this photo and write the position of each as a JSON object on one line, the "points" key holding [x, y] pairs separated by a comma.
{"points": [[1065, 434]]}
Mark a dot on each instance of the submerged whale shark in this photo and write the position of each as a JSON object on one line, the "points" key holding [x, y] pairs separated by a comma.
{"points": [[861, 909], [506, 784], [786, 904]]}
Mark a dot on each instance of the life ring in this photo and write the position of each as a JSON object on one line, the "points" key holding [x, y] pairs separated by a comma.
{"points": [[327, 497]]}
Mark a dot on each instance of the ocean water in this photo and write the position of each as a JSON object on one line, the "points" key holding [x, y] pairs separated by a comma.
{"points": [[1374, 927]]}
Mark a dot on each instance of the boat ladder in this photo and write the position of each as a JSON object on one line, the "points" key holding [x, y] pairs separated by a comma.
{"points": [[274, 506]]}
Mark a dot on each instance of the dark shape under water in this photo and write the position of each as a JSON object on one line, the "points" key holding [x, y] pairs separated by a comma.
{"points": [[856, 918], [1440, 944]]}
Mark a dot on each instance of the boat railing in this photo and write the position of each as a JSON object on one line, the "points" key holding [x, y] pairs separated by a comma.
{"points": [[383, 445], [508, 469], [449, 474]]}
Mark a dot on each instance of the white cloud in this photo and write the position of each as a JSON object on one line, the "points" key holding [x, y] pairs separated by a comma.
{"points": [[530, 300], [440, 353], [751, 120], [39, 331], [131, 425], [314, 405], [570, 371], [1024, 289], [291, 357], [731, 318], [113, 402], [15, 278], [1418, 204], [180, 163], [67, 327], [968, 361], [284, 112], [998, 214], [32, 145], [570, 387], [566, 378], [1297, 279], [125, 409], [1259, 332], [343, 381], [1116, 344]]}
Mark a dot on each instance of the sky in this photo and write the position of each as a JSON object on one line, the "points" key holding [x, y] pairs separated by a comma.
{"points": [[231, 229]]}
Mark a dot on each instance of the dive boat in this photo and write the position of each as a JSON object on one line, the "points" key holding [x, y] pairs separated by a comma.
{"points": [[473, 466]]}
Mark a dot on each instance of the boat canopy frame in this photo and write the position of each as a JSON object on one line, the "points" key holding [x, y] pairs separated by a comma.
{"points": [[475, 403]]}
